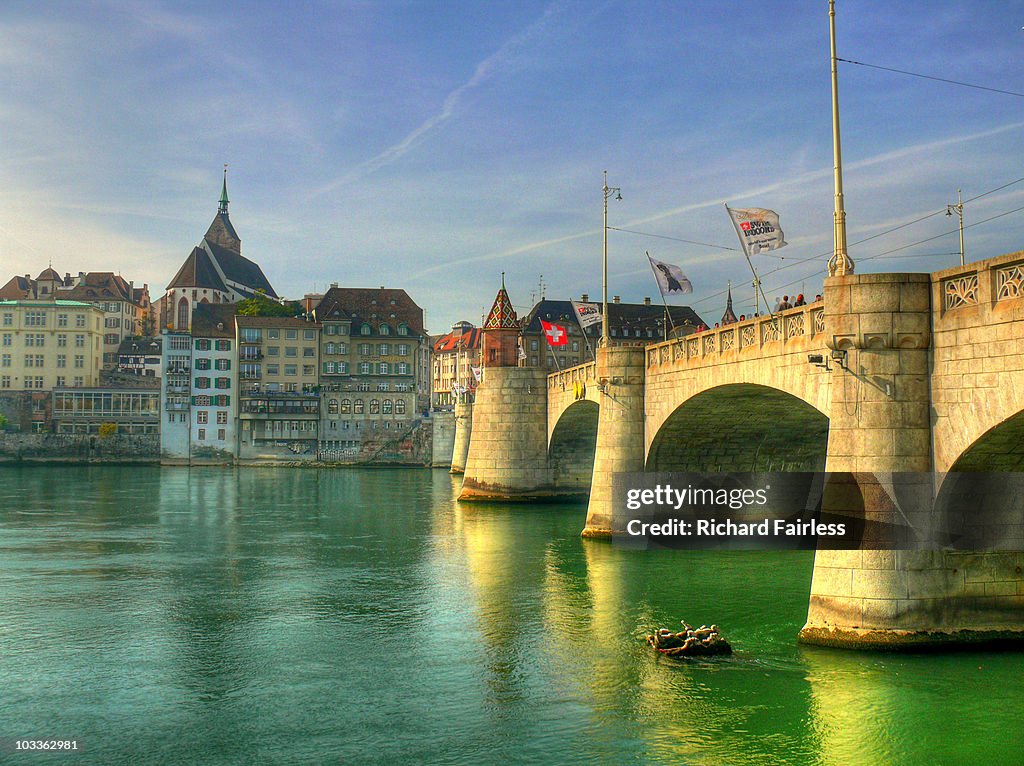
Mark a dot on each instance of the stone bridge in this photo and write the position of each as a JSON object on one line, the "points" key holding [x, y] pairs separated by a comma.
{"points": [[911, 372]]}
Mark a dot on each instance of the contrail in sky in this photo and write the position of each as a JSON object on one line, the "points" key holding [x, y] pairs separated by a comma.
{"points": [[484, 70]]}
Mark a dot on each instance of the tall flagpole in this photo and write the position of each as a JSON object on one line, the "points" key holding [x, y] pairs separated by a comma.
{"points": [[840, 263]]}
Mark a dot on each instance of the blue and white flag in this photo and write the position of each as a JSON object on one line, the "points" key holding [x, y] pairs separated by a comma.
{"points": [[671, 279]]}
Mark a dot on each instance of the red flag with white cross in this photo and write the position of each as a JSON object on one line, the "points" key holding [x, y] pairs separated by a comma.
{"points": [[556, 334]]}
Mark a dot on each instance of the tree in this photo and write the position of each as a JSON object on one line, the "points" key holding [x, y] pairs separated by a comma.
{"points": [[4, 422], [262, 306], [107, 430]]}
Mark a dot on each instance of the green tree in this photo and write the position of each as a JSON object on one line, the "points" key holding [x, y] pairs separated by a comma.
{"points": [[262, 306], [4, 422], [107, 430]]}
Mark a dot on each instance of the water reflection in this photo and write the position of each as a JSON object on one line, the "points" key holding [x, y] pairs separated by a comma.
{"points": [[201, 615]]}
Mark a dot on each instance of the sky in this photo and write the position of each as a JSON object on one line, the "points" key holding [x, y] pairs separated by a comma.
{"points": [[434, 145]]}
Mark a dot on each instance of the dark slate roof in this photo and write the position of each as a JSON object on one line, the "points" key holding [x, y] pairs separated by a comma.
{"points": [[239, 269], [198, 271], [49, 274], [374, 306], [140, 346], [630, 316], [214, 320]]}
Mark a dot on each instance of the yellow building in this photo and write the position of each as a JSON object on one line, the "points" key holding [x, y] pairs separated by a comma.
{"points": [[46, 344]]}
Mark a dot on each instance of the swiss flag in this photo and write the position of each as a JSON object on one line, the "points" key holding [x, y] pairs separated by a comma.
{"points": [[556, 334]]}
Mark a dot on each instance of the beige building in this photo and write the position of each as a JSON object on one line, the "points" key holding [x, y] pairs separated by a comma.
{"points": [[455, 355], [47, 344], [279, 407]]}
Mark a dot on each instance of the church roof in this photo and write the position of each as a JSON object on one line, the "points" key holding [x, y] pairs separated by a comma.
{"points": [[198, 271], [502, 316], [240, 269], [49, 274]]}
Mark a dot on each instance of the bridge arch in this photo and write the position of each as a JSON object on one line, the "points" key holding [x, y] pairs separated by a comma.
{"points": [[741, 427], [1000, 448], [573, 445]]}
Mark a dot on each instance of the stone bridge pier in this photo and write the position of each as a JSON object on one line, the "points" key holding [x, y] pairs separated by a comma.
{"points": [[620, 430], [889, 414]]}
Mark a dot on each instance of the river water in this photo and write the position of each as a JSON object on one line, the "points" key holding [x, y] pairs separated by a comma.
{"points": [[218, 616]]}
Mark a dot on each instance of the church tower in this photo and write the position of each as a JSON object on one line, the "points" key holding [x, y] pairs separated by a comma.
{"points": [[729, 317], [500, 344]]}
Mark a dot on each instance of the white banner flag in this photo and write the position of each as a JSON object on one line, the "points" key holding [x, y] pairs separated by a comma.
{"points": [[522, 353], [477, 372], [757, 228], [587, 314], [671, 279]]}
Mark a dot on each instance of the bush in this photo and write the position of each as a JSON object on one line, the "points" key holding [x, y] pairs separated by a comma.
{"points": [[107, 430]]}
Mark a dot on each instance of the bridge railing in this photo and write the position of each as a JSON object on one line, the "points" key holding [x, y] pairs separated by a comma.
{"points": [[756, 333], [564, 379], [985, 282]]}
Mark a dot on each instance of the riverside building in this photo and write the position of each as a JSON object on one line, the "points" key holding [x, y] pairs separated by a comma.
{"points": [[278, 376], [47, 344], [371, 355]]}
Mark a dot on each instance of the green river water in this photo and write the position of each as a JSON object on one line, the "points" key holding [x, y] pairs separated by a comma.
{"points": [[218, 616]]}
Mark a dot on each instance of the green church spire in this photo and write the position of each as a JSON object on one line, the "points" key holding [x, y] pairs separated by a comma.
{"points": [[224, 192]]}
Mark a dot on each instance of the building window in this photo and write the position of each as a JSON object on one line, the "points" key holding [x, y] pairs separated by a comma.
{"points": [[357, 407], [9, 339], [291, 334], [273, 369], [62, 360], [202, 383], [346, 406], [332, 407], [251, 335], [202, 434], [329, 368], [309, 334], [202, 344], [223, 364], [400, 406], [221, 434], [202, 417], [365, 349], [291, 369], [182, 314], [343, 368], [384, 349], [223, 345], [308, 369], [374, 406], [35, 319], [273, 334], [364, 368], [62, 320], [383, 368], [8, 320], [79, 341], [222, 418], [79, 361], [403, 329], [62, 340], [386, 407], [329, 348], [202, 364], [403, 349], [110, 339]]}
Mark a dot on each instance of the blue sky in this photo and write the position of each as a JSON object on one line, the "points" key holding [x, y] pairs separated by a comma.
{"points": [[432, 146]]}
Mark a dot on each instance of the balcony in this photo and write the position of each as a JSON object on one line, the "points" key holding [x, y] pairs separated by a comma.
{"points": [[250, 354], [175, 406], [177, 369], [177, 389]]}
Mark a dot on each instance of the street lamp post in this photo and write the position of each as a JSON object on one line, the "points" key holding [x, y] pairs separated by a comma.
{"points": [[958, 208], [607, 191]]}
